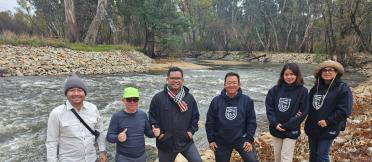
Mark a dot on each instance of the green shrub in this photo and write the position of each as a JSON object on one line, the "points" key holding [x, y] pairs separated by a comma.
{"points": [[319, 57], [320, 52], [172, 43]]}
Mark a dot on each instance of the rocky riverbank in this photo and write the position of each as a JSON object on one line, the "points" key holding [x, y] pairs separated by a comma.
{"points": [[304, 58], [23, 61]]}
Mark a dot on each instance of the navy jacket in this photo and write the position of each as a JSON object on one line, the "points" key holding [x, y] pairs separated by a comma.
{"points": [[231, 121], [173, 123], [282, 104], [336, 108], [137, 125]]}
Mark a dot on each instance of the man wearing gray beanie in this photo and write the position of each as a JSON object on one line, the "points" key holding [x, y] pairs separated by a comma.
{"points": [[68, 134], [74, 81]]}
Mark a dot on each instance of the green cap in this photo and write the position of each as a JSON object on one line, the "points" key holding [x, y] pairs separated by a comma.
{"points": [[130, 92]]}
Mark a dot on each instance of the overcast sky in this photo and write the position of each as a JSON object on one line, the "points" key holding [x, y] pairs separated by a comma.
{"points": [[8, 5]]}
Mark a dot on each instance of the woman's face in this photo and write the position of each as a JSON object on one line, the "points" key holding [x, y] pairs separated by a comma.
{"points": [[328, 73], [289, 77]]}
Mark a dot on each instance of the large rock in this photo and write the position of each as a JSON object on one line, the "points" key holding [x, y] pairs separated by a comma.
{"points": [[19, 61]]}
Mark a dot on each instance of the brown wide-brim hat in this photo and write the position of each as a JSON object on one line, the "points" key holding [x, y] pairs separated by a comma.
{"points": [[329, 63]]}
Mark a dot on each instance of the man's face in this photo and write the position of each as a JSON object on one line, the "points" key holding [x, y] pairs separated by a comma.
{"points": [[232, 85], [75, 96], [175, 81], [131, 103]]}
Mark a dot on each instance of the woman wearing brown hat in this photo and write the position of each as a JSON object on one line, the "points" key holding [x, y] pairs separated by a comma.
{"points": [[330, 102]]}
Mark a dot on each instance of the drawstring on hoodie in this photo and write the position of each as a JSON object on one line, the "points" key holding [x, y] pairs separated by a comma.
{"points": [[317, 107]]}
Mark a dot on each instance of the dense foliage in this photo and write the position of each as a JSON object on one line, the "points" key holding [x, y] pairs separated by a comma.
{"points": [[335, 27]]}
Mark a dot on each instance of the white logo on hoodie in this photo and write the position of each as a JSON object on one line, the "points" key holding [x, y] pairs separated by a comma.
{"points": [[231, 113], [318, 101], [284, 104]]}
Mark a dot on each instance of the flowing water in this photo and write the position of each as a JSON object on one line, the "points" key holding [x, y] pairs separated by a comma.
{"points": [[25, 102]]}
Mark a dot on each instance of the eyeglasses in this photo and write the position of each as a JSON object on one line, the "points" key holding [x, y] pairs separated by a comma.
{"points": [[328, 70], [175, 78], [232, 83], [132, 99]]}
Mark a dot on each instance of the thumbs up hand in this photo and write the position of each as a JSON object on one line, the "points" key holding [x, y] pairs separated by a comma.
{"points": [[156, 131], [122, 135]]}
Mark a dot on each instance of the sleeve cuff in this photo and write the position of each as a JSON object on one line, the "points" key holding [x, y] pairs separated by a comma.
{"points": [[249, 139]]}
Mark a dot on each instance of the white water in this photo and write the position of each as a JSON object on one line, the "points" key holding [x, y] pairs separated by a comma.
{"points": [[25, 102]]}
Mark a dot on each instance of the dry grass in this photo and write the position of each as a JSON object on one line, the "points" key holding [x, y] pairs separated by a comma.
{"points": [[11, 38], [358, 133]]}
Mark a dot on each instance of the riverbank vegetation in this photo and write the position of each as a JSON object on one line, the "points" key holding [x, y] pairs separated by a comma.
{"points": [[334, 28], [11, 38]]}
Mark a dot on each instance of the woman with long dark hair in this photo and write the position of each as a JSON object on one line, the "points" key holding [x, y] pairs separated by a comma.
{"points": [[330, 101], [286, 107]]}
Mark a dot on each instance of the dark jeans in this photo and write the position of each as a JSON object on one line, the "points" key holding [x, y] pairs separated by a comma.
{"points": [[319, 149], [191, 154], [122, 158], [223, 153]]}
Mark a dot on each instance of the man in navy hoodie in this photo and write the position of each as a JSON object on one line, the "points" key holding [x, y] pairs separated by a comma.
{"points": [[231, 122]]}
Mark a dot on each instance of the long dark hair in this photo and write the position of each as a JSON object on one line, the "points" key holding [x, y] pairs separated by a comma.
{"points": [[296, 71]]}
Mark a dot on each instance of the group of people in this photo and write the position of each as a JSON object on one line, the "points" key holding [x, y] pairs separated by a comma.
{"points": [[75, 126]]}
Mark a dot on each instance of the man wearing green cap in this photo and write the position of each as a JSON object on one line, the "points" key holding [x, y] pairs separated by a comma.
{"points": [[127, 127]]}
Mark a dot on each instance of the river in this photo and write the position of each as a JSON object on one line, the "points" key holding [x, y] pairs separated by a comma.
{"points": [[25, 102]]}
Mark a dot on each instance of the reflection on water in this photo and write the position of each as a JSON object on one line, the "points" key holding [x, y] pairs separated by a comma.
{"points": [[27, 101]]}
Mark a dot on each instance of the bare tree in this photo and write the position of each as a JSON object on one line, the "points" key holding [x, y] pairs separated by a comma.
{"points": [[91, 35], [331, 35], [355, 25], [308, 27], [72, 30], [273, 27]]}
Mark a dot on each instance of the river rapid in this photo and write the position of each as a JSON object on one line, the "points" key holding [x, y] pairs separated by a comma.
{"points": [[25, 102]]}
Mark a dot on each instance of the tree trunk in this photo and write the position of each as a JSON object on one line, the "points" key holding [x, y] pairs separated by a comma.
{"points": [[202, 23], [307, 30], [151, 47], [113, 30], [290, 28], [53, 29], [260, 39], [150, 42], [331, 35], [269, 20], [91, 35], [72, 33], [356, 28], [306, 35]]}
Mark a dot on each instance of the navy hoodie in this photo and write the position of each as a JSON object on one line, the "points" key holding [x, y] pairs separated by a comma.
{"points": [[231, 121], [282, 104], [336, 108]]}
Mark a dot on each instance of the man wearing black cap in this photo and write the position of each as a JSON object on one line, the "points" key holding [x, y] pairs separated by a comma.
{"points": [[68, 134]]}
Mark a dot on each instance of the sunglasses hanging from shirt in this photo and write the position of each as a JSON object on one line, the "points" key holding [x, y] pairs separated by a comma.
{"points": [[95, 132]]}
